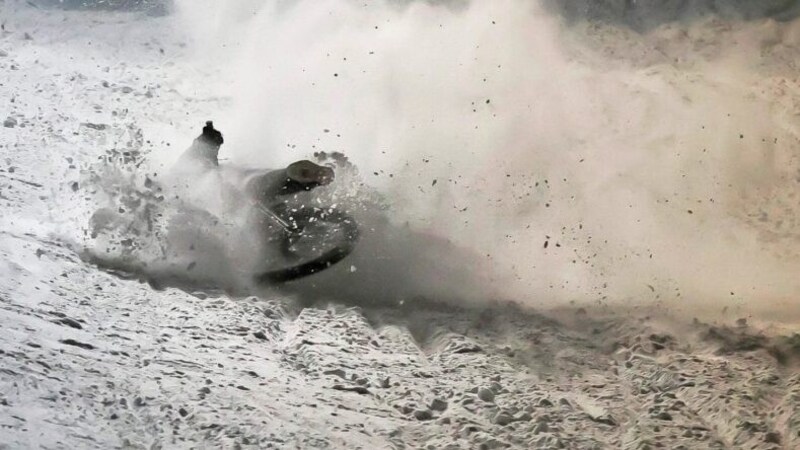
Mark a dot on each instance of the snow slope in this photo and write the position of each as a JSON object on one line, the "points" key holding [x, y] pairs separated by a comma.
{"points": [[90, 360]]}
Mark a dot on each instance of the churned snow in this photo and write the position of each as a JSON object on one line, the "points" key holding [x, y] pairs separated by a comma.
{"points": [[93, 360]]}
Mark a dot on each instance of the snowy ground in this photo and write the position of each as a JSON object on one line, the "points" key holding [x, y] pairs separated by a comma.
{"points": [[88, 360]]}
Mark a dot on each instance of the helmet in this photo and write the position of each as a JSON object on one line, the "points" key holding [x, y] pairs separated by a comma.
{"points": [[212, 135], [306, 172]]}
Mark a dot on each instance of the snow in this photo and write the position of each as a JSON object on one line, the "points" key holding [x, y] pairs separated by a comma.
{"points": [[93, 360]]}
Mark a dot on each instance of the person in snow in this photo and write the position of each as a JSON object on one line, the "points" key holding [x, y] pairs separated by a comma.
{"points": [[263, 185], [205, 148]]}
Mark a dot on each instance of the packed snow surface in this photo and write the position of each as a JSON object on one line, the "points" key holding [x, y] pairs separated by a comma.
{"points": [[91, 359]]}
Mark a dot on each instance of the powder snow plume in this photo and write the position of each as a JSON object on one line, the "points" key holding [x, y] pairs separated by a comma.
{"points": [[576, 160]]}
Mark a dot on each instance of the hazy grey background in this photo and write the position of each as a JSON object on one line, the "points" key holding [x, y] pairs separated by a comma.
{"points": [[639, 14]]}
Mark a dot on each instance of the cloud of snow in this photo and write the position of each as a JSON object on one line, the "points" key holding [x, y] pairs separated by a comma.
{"points": [[576, 161]]}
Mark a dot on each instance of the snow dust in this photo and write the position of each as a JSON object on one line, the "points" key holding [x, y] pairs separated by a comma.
{"points": [[97, 101], [572, 162]]}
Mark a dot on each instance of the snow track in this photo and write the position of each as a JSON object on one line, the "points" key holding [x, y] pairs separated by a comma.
{"points": [[98, 362], [88, 360]]}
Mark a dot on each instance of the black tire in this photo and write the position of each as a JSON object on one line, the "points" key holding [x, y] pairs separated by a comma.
{"points": [[338, 251]]}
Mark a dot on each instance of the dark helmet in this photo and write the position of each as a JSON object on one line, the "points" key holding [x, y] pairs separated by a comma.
{"points": [[211, 135], [306, 172]]}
